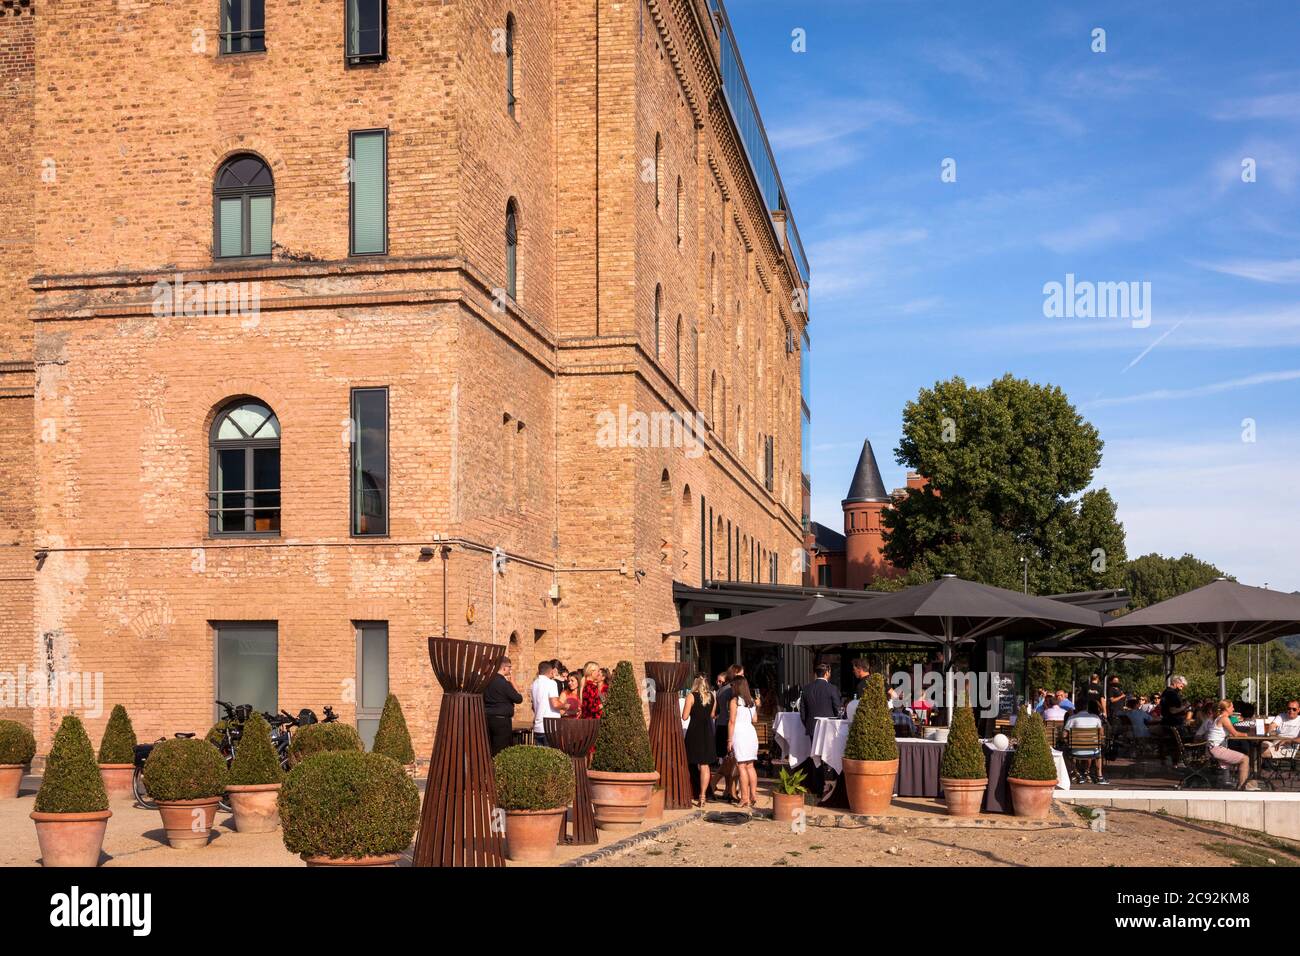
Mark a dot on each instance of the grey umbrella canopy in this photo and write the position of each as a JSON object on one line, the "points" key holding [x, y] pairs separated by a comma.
{"points": [[950, 611], [1106, 644], [1221, 614], [772, 624]]}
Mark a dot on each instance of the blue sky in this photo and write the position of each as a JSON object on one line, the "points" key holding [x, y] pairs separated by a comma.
{"points": [[1115, 166]]}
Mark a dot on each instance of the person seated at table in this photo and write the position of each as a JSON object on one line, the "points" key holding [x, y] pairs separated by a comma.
{"points": [[1216, 732], [1040, 700], [1063, 701], [1137, 718], [1287, 727], [1053, 710], [1087, 761], [904, 725]]}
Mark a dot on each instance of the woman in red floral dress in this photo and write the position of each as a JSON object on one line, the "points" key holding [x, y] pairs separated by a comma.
{"points": [[592, 704]]}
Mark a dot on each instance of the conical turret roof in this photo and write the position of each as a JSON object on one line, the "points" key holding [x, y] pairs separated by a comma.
{"points": [[867, 484]]}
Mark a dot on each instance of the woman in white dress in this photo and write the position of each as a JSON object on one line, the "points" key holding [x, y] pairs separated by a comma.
{"points": [[742, 740]]}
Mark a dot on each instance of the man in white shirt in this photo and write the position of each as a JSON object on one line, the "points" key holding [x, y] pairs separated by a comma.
{"points": [[1091, 758], [1287, 727], [1052, 711], [546, 703]]}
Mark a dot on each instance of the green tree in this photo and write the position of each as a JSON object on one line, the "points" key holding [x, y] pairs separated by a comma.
{"points": [[871, 735], [1033, 758], [118, 743], [1153, 578], [256, 762], [72, 783], [1007, 468], [963, 757]]}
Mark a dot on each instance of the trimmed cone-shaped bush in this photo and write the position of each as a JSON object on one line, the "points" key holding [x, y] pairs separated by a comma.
{"points": [[392, 739], [118, 742], [1033, 758], [345, 804], [17, 745], [871, 737], [963, 757], [256, 761], [623, 743], [319, 738], [217, 732], [533, 778], [184, 769], [72, 781]]}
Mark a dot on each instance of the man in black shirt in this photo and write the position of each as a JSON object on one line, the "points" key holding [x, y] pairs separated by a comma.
{"points": [[1173, 715], [1115, 698], [499, 701], [1094, 693], [861, 671]]}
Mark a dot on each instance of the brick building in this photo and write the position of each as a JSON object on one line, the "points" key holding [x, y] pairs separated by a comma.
{"points": [[327, 327]]}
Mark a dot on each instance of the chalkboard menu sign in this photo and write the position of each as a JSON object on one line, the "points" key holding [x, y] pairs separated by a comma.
{"points": [[1007, 702]]}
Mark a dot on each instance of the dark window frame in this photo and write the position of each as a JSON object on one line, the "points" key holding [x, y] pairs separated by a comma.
{"points": [[249, 35], [512, 248], [353, 511], [245, 194], [512, 101], [352, 188], [216, 628], [248, 445], [359, 59]]}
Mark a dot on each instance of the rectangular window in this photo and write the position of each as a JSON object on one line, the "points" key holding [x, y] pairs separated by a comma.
{"points": [[243, 26], [366, 36], [369, 461], [769, 462], [372, 677], [824, 576], [369, 192], [248, 670]]}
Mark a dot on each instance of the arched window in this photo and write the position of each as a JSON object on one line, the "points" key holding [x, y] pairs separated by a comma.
{"points": [[658, 322], [681, 211], [659, 171], [677, 344], [244, 470], [243, 201], [512, 249], [510, 64]]}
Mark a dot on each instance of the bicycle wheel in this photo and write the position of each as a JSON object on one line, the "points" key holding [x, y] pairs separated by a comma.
{"points": [[141, 795]]}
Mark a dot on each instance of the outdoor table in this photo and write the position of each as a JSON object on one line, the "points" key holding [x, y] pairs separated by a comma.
{"points": [[1254, 745], [795, 744]]}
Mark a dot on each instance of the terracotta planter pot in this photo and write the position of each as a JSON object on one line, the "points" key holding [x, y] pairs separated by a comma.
{"points": [[531, 835], [117, 779], [655, 809], [620, 800], [188, 822], [71, 839], [11, 778], [1031, 798], [870, 784], [964, 797], [386, 859], [255, 806], [786, 805]]}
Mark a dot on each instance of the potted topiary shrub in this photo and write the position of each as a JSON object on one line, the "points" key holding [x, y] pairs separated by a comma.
{"points": [[347, 808], [117, 753], [392, 739], [255, 778], [17, 747], [1032, 774], [622, 773], [961, 768], [534, 788], [788, 795], [186, 777], [71, 811], [319, 738], [870, 753]]}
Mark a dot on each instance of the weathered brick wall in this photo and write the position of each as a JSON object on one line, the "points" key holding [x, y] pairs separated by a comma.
{"points": [[494, 410]]}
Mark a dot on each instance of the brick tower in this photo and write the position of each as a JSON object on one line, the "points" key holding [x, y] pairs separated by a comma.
{"points": [[863, 533]]}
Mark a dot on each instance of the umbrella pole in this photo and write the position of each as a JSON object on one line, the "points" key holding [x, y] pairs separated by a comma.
{"points": [[1221, 652], [947, 670]]}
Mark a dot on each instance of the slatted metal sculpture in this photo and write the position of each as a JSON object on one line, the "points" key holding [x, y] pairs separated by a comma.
{"points": [[460, 795], [575, 737], [666, 738]]}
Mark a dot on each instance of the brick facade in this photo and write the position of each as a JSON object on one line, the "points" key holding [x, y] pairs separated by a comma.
{"points": [[495, 404]]}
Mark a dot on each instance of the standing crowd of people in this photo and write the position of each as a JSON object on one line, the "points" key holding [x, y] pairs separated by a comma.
{"points": [[555, 692]]}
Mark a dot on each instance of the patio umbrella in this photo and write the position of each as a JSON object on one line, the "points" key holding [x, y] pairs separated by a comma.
{"points": [[779, 625], [1105, 644], [1221, 614], [950, 611]]}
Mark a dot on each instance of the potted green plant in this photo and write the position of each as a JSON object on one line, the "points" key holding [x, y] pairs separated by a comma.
{"points": [[319, 738], [961, 768], [348, 808], [392, 739], [534, 788], [17, 747], [1032, 774], [255, 779], [622, 773], [71, 811], [870, 753], [788, 795], [117, 753], [186, 777]]}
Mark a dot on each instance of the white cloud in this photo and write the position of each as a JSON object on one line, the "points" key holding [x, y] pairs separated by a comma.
{"points": [[1260, 270], [1199, 391]]}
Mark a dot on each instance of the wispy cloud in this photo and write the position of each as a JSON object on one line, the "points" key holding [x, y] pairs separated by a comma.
{"points": [[1199, 391], [1281, 271]]}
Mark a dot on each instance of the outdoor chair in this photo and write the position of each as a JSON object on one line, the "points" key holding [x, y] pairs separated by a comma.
{"points": [[1083, 743], [1201, 772], [768, 750], [1281, 772], [1054, 728]]}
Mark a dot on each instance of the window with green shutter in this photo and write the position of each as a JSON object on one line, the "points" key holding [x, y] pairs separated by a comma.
{"points": [[243, 198], [369, 205]]}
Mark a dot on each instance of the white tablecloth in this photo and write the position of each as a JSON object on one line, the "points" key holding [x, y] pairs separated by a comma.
{"points": [[829, 736], [795, 744]]}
